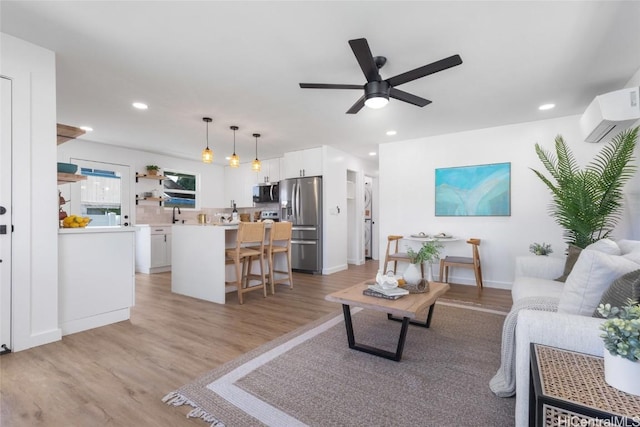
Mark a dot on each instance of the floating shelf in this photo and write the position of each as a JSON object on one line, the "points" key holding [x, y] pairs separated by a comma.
{"points": [[158, 177], [66, 133], [65, 178], [151, 199]]}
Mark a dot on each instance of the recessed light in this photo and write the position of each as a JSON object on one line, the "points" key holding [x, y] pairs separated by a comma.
{"points": [[546, 107], [373, 153], [86, 128], [391, 132], [228, 158], [140, 105]]}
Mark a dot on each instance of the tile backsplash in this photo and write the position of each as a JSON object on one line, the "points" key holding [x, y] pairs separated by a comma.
{"points": [[149, 214]]}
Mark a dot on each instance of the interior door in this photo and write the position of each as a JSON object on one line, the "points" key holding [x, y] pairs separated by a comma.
{"points": [[5, 214]]}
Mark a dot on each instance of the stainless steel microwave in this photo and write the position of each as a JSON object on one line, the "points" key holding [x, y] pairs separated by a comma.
{"points": [[266, 193]]}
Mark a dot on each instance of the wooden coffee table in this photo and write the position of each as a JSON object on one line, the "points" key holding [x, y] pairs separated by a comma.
{"points": [[405, 310]]}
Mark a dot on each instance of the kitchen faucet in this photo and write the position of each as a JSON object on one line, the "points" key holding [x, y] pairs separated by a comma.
{"points": [[173, 214]]}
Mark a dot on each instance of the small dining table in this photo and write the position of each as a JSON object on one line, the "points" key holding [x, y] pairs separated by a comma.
{"points": [[416, 239]]}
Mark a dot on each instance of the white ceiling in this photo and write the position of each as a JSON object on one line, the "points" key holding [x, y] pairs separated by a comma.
{"points": [[240, 63]]}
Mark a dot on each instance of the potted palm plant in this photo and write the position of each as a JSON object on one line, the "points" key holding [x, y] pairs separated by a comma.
{"points": [[622, 346], [428, 252], [587, 203]]}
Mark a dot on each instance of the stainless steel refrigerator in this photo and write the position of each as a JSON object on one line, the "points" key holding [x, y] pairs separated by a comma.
{"points": [[301, 204]]}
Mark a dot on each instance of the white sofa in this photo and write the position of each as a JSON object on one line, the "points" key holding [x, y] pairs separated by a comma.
{"points": [[577, 332]]}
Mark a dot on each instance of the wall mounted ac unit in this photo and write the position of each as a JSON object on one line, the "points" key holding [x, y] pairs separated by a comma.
{"points": [[610, 114]]}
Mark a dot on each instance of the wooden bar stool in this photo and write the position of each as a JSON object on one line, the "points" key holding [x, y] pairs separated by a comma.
{"points": [[279, 243], [249, 243], [396, 256], [472, 262]]}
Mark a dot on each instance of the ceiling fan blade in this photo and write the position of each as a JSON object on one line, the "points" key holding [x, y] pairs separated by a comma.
{"points": [[434, 67], [407, 97], [357, 106], [361, 50], [329, 86]]}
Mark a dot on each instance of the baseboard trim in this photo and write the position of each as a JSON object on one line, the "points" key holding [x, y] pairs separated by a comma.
{"points": [[96, 321]]}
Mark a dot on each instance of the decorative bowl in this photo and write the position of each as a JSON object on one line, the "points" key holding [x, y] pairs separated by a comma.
{"points": [[67, 167]]}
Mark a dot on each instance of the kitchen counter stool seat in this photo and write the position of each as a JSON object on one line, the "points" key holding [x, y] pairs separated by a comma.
{"points": [[249, 243], [279, 243]]}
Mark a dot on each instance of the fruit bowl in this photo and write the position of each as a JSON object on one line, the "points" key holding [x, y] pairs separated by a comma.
{"points": [[75, 221]]}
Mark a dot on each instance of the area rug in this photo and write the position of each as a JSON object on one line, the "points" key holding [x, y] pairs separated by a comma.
{"points": [[311, 377]]}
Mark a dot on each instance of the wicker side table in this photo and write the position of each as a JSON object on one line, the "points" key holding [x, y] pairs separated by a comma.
{"points": [[568, 389]]}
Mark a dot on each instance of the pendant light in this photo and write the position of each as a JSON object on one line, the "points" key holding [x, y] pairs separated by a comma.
{"points": [[255, 165], [234, 161], [207, 154]]}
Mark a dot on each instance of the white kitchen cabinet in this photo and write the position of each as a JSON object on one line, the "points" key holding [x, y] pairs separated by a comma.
{"points": [[95, 276], [238, 185], [269, 171], [153, 248], [303, 163]]}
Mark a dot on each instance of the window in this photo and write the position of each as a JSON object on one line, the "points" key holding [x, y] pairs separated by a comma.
{"points": [[180, 189], [104, 196]]}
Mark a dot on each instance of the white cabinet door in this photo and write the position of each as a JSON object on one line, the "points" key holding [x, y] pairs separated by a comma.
{"points": [[159, 254], [249, 179], [293, 164], [303, 163], [232, 185], [312, 162], [239, 184], [270, 171]]}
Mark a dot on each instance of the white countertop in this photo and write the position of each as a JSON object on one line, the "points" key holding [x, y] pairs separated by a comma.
{"points": [[86, 230]]}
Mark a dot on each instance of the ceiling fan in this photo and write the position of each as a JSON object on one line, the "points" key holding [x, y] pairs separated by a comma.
{"points": [[377, 91]]}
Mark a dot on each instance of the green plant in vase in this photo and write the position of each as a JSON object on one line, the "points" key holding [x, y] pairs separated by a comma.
{"points": [[622, 346], [152, 169], [428, 252]]}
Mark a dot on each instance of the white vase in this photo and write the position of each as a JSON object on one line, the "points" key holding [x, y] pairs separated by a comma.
{"points": [[622, 373], [412, 274]]}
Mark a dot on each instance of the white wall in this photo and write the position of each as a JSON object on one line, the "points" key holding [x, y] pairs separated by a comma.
{"points": [[211, 176], [407, 193], [35, 217], [334, 172]]}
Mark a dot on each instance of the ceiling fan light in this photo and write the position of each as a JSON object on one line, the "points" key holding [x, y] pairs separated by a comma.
{"points": [[234, 161], [376, 102]]}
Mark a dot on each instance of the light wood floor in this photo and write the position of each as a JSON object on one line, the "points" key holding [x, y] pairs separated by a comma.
{"points": [[117, 375]]}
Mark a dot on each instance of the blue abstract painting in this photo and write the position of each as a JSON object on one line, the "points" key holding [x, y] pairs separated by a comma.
{"points": [[481, 190]]}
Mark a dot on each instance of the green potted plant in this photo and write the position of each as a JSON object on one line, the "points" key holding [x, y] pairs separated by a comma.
{"points": [[152, 169], [622, 346], [428, 252], [540, 248], [587, 203]]}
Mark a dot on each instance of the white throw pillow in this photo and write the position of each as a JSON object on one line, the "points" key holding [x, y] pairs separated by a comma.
{"points": [[628, 246], [633, 256], [592, 274], [606, 246]]}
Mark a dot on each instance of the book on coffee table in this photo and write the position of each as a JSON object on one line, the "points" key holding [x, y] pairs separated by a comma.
{"points": [[388, 292], [372, 293]]}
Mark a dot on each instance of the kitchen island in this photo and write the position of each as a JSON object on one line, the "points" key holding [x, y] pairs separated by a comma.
{"points": [[198, 265]]}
